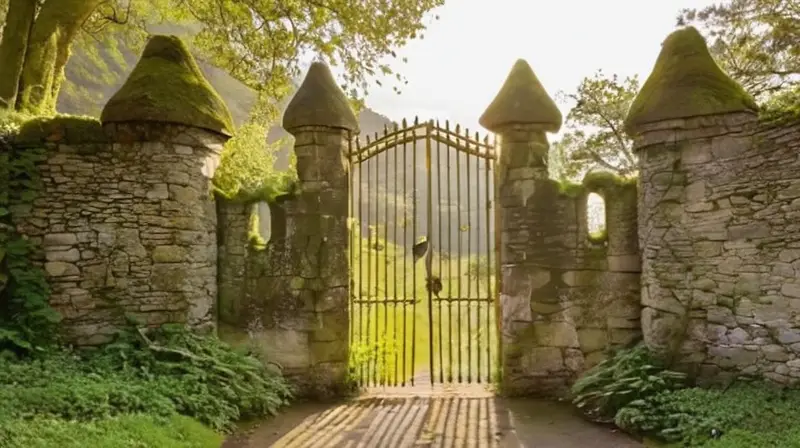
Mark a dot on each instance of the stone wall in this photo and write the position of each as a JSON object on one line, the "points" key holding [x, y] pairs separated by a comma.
{"points": [[718, 211], [126, 224], [721, 245], [292, 297], [565, 298]]}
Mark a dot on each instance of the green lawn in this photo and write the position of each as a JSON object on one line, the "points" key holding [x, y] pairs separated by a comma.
{"points": [[392, 341]]}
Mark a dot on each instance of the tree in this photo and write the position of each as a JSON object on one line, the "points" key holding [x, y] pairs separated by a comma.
{"points": [[259, 42], [594, 138], [756, 41]]}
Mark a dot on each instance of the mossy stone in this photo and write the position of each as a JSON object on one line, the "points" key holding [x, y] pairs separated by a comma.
{"points": [[319, 102], [167, 86], [69, 129], [686, 82], [522, 100]]}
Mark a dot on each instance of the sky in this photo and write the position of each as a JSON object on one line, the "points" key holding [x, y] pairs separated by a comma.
{"points": [[458, 68]]}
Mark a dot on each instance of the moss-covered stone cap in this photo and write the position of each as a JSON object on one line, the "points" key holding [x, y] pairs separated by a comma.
{"points": [[319, 102], [686, 82], [522, 100], [167, 86]]}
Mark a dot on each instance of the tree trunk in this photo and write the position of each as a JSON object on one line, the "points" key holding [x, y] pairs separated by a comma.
{"points": [[48, 51], [13, 46]]}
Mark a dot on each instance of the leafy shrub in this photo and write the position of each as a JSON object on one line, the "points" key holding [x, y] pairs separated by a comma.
{"points": [[169, 371], [129, 431], [626, 376], [747, 415]]}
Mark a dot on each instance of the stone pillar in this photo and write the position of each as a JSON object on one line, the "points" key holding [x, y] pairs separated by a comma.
{"points": [[233, 228], [320, 119], [167, 127], [538, 234], [687, 114]]}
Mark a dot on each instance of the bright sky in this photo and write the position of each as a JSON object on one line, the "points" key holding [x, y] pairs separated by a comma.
{"points": [[455, 72]]}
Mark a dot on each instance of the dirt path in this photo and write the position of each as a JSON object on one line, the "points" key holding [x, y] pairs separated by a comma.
{"points": [[433, 419]]}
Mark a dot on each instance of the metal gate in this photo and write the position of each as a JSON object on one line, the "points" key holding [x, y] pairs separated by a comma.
{"points": [[423, 257]]}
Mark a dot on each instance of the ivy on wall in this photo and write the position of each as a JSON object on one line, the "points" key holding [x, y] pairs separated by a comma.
{"points": [[27, 322]]}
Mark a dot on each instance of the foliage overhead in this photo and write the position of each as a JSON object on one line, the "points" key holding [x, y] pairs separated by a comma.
{"points": [[594, 137], [755, 41], [259, 42]]}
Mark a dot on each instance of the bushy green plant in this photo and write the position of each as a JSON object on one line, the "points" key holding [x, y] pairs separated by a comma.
{"points": [[742, 414], [27, 323], [169, 371], [628, 375], [204, 377]]}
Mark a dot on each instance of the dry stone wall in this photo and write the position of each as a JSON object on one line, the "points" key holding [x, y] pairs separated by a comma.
{"points": [[721, 245], [565, 298], [127, 226], [292, 297]]}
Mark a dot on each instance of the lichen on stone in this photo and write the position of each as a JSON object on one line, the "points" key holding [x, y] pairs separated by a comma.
{"points": [[319, 102], [167, 86], [522, 100], [686, 82]]}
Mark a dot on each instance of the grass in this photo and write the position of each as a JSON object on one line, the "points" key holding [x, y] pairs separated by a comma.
{"points": [[393, 342], [126, 431]]}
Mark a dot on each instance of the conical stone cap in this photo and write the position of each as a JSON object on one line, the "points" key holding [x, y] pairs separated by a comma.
{"points": [[319, 102], [686, 82], [522, 100], [167, 86]]}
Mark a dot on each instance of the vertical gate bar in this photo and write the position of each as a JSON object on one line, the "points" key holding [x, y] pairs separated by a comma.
{"points": [[429, 257], [405, 248], [478, 293], [376, 303], [489, 295], [498, 278], [368, 162], [467, 157], [413, 262], [441, 249], [351, 227], [394, 264], [385, 256], [460, 255], [360, 268], [449, 264]]}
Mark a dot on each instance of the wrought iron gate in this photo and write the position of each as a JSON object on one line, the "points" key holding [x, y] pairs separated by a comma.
{"points": [[423, 256]]}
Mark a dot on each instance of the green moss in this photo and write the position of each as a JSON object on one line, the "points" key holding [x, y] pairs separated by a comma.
{"points": [[607, 182], [686, 82], [522, 100], [167, 86], [598, 236], [570, 189], [319, 102], [70, 129]]}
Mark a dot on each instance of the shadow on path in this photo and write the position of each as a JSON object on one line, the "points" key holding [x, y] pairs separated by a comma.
{"points": [[415, 417]]}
